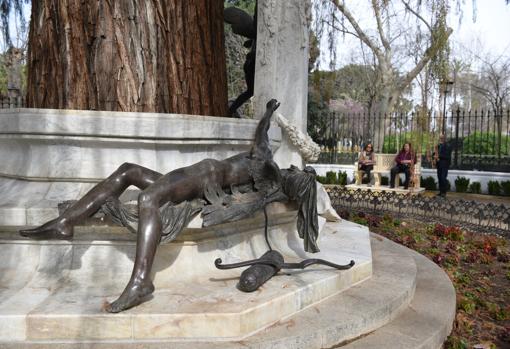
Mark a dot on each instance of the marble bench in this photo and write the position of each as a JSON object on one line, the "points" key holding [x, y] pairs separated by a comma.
{"points": [[383, 165]]}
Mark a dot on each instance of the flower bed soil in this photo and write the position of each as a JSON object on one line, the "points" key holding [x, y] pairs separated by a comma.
{"points": [[478, 265]]}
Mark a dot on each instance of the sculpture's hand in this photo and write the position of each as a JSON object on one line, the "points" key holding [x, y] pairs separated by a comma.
{"points": [[272, 105]]}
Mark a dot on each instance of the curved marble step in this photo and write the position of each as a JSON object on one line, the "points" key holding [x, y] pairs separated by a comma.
{"points": [[54, 290], [356, 311], [428, 320]]}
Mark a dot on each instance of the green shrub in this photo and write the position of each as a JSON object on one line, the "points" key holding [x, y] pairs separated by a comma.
{"points": [[342, 178], [321, 179], [461, 184], [475, 188], [494, 188], [505, 187], [429, 183], [331, 177]]}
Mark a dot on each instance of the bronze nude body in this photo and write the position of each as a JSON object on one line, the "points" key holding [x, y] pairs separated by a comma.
{"points": [[157, 189], [208, 180]]}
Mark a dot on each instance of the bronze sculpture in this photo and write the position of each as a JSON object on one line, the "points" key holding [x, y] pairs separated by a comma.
{"points": [[243, 24], [252, 178]]}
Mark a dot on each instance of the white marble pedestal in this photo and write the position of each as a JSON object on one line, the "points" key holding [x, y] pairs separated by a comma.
{"points": [[50, 156], [55, 290]]}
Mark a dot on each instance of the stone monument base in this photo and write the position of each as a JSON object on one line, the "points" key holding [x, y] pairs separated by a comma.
{"points": [[55, 291], [53, 300]]}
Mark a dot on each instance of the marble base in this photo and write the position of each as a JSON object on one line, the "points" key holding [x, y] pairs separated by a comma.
{"points": [[49, 156], [55, 290]]}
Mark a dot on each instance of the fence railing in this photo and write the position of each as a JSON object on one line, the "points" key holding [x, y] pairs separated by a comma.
{"points": [[12, 102], [472, 215], [480, 139]]}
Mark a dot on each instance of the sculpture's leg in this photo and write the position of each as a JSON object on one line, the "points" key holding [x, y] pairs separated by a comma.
{"points": [[243, 97], [249, 75], [149, 234], [62, 227]]}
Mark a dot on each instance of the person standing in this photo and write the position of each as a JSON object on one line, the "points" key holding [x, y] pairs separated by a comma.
{"points": [[443, 158]]}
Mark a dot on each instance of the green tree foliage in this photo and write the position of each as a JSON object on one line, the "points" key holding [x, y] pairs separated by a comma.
{"points": [[318, 119], [354, 81], [246, 5], [3, 77], [485, 143], [420, 141]]}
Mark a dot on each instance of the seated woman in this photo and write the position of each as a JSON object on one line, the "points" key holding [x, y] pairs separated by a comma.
{"points": [[405, 160], [366, 161]]}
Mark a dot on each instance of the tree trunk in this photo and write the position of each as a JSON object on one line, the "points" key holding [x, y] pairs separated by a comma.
{"points": [[132, 55]]}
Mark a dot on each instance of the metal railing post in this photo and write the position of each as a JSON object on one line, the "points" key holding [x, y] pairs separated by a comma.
{"points": [[457, 139]]}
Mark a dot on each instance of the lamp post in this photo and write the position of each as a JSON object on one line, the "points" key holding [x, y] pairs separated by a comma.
{"points": [[445, 89]]}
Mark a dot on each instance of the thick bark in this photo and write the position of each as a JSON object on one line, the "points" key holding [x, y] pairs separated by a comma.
{"points": [[131, 55]]}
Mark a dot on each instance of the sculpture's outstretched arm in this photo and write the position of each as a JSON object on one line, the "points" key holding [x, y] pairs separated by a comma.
{"points": [[261, 149]]}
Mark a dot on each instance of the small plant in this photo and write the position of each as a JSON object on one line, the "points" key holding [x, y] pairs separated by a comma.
{"points": [[454, 342], [321, 179], [448, 233], [505, 186], [494, 188], [467, 305], [342, 178], [429, 183], [475, 188], [461, 277], [331, 177], [461, 184]]}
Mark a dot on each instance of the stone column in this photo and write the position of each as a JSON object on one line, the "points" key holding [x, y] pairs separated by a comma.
{"points": [[282, 66]]}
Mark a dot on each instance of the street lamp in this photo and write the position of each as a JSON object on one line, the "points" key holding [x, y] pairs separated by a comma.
{"points": [[445, 85]]}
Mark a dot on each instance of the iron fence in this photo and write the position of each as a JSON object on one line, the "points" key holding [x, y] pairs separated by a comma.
{"points": [[480, 139], [472, 215], [12, 102]]}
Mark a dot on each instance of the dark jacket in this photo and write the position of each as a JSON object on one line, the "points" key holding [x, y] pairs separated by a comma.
{"points": [[444, 154]]}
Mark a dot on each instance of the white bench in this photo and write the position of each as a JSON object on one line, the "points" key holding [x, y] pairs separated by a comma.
{"points": [[383, 165]]}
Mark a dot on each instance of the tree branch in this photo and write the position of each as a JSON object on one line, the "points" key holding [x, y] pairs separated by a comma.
{"points": [[408, 8], [363, 37], [380, 29], [429, 53], [342, 30]]}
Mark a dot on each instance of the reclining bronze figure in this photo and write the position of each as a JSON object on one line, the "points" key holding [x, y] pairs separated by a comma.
{"points": [[229, 190]]}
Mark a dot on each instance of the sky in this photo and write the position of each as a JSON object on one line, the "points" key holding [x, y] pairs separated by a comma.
{"points": [[487, 29]]}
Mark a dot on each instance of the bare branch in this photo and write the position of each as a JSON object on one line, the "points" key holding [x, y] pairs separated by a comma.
{"points": [[380, 29], [342, 30], [408, 8], [363, 37], [427, 56]]}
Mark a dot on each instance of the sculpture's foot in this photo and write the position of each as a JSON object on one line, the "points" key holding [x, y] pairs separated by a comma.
{"points": [[50, 230], [132, 296]]}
